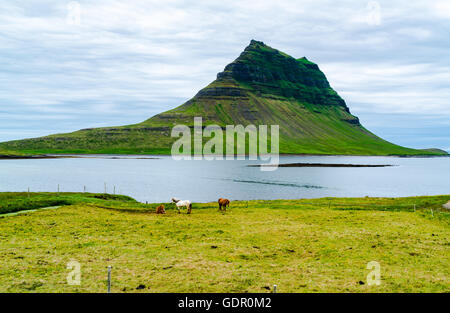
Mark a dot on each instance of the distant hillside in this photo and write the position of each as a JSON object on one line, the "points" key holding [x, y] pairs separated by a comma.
{"points": [[262, 86], [435, 150]]}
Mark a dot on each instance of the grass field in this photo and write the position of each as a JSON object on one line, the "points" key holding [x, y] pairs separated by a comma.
{"points": [[311, 245]]}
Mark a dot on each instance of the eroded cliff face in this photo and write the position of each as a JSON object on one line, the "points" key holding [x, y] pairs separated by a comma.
{"points": [[248, 89], [270, 72]]}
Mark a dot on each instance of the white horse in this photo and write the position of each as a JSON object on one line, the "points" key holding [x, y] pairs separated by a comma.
{"points": [[183, 203]]}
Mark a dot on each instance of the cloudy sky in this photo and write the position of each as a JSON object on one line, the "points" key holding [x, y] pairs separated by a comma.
{"points": [[67, 65]]}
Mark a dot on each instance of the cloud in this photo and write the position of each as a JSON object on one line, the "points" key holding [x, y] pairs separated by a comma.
{"points": [[128, 60]]}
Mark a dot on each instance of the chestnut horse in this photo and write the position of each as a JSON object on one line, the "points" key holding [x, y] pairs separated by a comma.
{"points": [[223, 203], [160, 209]]}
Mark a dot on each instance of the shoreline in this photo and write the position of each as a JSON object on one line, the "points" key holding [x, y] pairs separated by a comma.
{"points": [[76, 156], [320, 165], [34, 157], [158, 156]]}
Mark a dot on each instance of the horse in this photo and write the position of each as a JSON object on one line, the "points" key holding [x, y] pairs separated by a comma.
{"points": [[223, 203], [160, 209], [183, 203]]}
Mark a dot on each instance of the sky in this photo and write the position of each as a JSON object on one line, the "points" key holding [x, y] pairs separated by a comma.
{"points": [[68, 65]]}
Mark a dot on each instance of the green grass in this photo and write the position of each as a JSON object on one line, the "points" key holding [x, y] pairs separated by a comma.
{"points": [[10, 153], [310, 245], [19, 201]]}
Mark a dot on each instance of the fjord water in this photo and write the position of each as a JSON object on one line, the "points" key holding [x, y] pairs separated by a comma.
{"points": [[158, 180]]}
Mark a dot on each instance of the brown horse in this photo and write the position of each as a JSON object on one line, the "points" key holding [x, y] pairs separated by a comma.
{"points": [[223, 203], [160, 209]]}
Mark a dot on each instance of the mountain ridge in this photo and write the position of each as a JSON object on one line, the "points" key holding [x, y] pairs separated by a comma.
{"points": [[263, 86]]}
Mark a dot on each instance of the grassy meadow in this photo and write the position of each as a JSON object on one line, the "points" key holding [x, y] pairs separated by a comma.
{"points": [[310, 245]]}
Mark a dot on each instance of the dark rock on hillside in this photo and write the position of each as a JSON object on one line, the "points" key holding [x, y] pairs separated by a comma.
{"points": [[270, 71]]}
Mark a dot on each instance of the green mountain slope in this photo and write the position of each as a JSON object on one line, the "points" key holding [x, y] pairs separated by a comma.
{"points": [[262, 86]]}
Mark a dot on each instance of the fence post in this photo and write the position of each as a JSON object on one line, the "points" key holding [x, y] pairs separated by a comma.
{"points": [[109, 278], [432, 213], [84, 189], [28, 192], [105, 188], [274, 288], [114, 189], [414, 207], [58, 189]]}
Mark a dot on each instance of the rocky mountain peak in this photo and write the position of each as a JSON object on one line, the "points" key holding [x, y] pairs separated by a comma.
{"points": [[270, 72]]}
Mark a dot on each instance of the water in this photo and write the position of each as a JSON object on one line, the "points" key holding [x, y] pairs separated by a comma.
{"points": [[158, 180]]}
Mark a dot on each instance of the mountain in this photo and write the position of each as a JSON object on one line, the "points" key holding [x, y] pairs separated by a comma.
{"points": [[262, 86]]}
